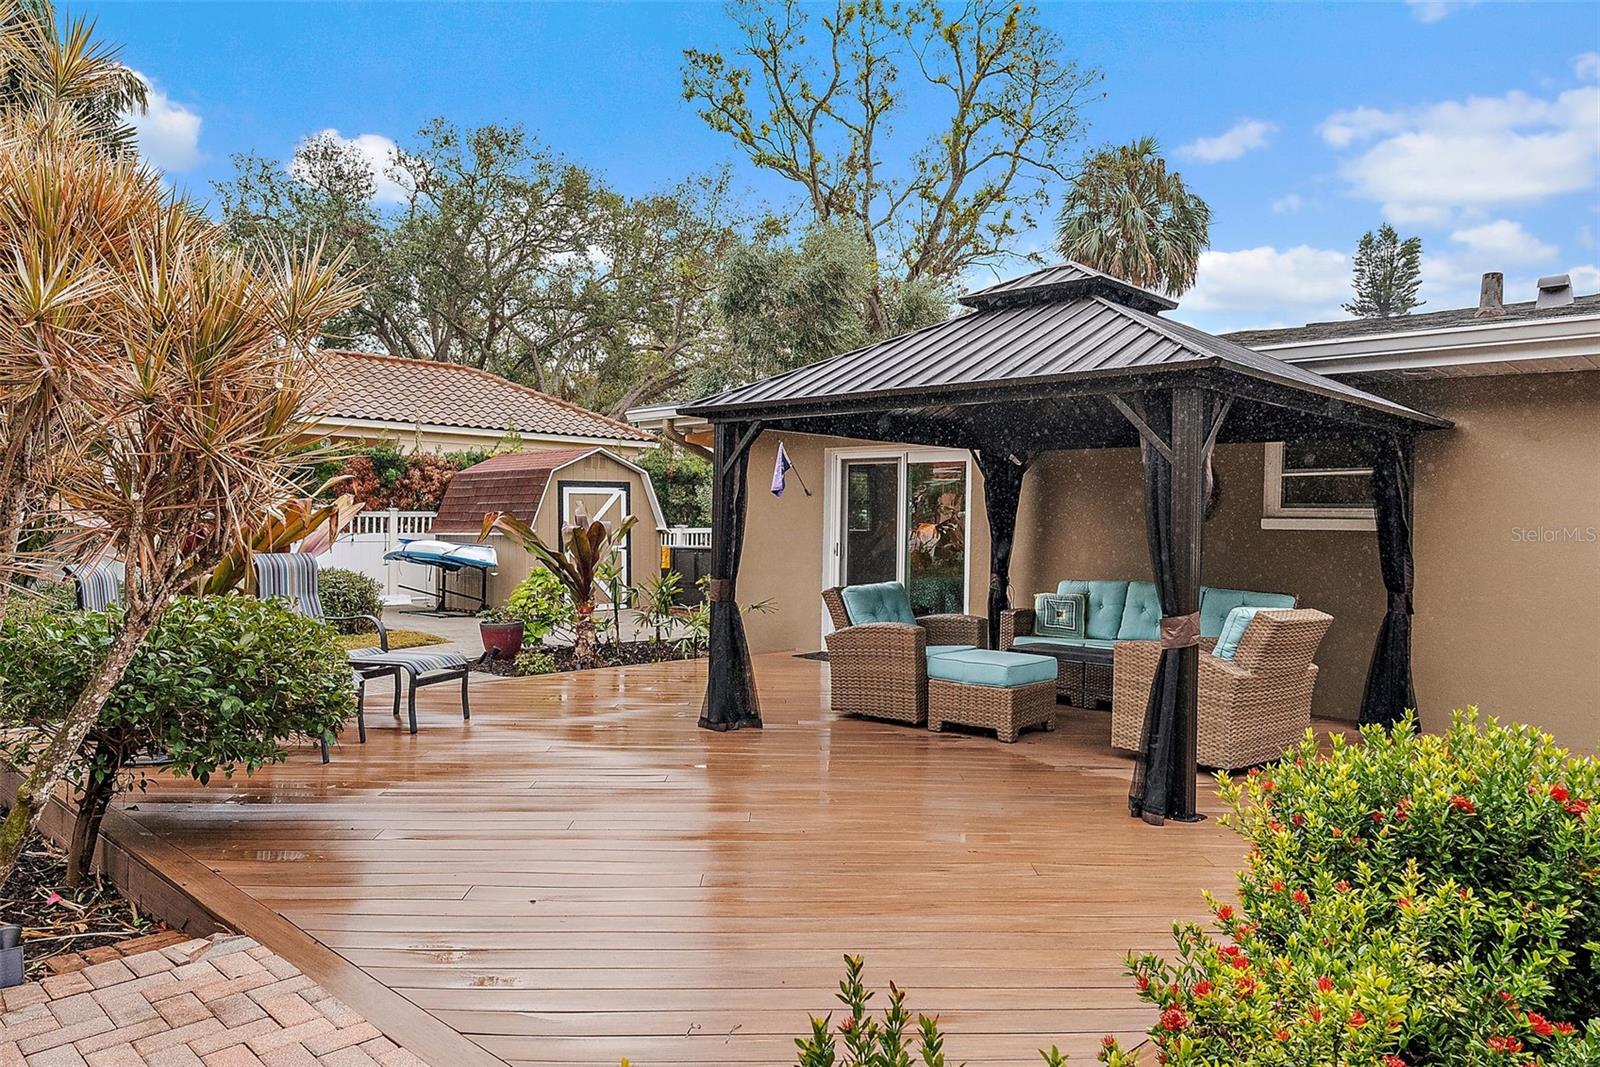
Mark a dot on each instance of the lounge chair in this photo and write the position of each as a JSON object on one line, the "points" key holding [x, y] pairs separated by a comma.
{"points": [[99, 585], [878, 651], [1255, 704], [292, 577]]}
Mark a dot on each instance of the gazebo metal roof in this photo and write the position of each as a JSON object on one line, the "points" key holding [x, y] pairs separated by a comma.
{"points": [[1038, 335]]}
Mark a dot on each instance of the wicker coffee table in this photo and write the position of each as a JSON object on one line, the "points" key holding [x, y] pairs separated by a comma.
{"points": [[1000, 691]]}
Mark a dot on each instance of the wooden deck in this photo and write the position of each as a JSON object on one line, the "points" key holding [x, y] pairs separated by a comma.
{"points": [[580, 874]]}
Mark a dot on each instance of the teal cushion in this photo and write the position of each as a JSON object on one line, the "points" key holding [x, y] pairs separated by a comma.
{"points": [[1233, 628], [1060, 614], [1081, 642], [880, 602], [945, 650], [1216, 603], [999, 670], [1141, 614], [1106, 600]]}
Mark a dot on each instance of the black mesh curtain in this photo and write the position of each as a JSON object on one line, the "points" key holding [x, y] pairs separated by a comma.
{"points": [[1174, 482], [731, 702], [1389, 689], [1002, 491]]}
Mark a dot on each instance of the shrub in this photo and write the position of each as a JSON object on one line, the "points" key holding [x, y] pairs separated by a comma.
{"points": [[682, 483], [218, 684], [1412, 899], [532, 662], [887, 1041], [541, 603], [347, 592]]}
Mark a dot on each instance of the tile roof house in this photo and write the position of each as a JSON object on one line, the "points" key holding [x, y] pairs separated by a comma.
{"points": [[426, 404]]}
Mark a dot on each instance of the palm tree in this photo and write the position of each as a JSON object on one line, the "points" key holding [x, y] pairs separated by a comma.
{"points": [[177, 367], [66, 71], [1131, 217]]}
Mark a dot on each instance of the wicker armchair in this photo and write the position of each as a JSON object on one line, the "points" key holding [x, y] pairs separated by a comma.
{"points": [[1252, 708], [880, 669]]}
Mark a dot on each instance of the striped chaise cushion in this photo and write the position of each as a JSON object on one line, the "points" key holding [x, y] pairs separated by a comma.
{"points": [[290, 576], [99, 584], [416, 662]]}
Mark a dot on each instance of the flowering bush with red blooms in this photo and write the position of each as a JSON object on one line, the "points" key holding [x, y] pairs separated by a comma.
{"points": [[1408, 900]]}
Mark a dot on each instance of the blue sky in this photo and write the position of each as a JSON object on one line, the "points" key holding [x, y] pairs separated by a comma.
{"points": [[1474, 125]]}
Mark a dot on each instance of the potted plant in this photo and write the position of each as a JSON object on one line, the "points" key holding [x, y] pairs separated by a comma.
{"points": [[501, 632]]}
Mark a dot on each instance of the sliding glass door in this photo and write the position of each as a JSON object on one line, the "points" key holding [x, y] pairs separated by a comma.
{"points": [[902, 515]]}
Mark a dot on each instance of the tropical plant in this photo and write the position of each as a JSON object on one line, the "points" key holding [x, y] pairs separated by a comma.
{"points": [[63, 71], [219, 683], [1126, 214], [308, 525], [812, 95], [195, 362], [657, 603], [888, 1040], [586, 546], [1386, 275], [1411, 899], [541, 603], [346, 593]]}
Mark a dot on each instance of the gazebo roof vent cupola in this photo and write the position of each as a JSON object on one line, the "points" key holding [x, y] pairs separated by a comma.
{"points": [[1063, 283]]}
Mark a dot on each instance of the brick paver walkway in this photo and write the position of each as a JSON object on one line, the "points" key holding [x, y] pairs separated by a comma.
{"points": [[223, 1002]]}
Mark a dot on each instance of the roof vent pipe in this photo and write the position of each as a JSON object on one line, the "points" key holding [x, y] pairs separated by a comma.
{"points": [[1555, 291], [1491, 296]]}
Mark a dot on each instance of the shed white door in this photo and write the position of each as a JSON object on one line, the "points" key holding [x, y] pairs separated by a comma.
{"points": [[606, 502]]}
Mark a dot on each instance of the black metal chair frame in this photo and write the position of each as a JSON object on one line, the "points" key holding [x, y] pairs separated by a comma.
{"points": [[418, 679]]}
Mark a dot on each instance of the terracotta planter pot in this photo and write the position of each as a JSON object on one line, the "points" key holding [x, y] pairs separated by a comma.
{"points": [[502, 640]]}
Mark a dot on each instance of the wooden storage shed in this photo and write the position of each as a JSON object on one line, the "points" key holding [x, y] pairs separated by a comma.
{"points": [[546, 489]]}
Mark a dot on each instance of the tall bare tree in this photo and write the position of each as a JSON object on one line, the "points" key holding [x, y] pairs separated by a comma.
{"points": [[820, 109], [192, 362], [1126, 214]]}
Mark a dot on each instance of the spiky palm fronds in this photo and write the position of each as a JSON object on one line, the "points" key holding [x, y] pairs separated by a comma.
{"points": [[55, 69], [1131, 217]]}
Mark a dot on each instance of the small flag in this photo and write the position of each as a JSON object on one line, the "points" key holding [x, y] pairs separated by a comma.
{"points": [[780, 471]]}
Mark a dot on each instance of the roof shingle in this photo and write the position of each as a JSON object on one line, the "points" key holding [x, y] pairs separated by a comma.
{"points": [[514, 482], [364, 385]]}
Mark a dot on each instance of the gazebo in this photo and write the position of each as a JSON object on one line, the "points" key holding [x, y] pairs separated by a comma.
{"points": [[1070, 358]]}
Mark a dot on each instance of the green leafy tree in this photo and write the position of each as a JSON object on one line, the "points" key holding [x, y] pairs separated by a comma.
{"points": [[1126, 214], [815, 96], [682, 483], [1387, 275]]}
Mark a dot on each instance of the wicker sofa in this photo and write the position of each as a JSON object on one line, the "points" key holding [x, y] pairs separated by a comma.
{"points": [[878, 651], [1252, 707], [1117, 611]]}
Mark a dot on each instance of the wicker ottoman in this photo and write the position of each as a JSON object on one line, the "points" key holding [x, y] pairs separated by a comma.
{"points": [[999, 691]]}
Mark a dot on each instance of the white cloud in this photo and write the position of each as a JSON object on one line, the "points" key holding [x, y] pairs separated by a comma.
{"points": [[1424, 163], [1436, 10], [1503, 241], [1288, 204], [379, 153], [1252, 286], [1235, 141], [1585, 279], [1587, 66], [168, 132]]}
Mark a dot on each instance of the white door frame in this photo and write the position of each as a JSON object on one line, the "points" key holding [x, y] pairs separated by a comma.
{"points": [[615, 495], [834, 460]]}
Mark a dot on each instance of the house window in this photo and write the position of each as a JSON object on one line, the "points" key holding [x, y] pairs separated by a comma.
{"points": [[1317, 483]]}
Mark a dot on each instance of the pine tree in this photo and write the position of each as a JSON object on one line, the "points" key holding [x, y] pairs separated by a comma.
{"points": [[1388, 273]]}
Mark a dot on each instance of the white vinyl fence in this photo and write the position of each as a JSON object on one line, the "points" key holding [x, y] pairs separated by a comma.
{"points": [[371, 534], [686, 537]]}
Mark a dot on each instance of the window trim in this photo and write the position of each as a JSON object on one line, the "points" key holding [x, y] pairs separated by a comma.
{"points": [[1274, 516]]}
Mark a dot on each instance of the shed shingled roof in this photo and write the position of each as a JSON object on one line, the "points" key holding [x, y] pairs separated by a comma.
{"points": [[514, 482], [1079, 329], [364, 385]]}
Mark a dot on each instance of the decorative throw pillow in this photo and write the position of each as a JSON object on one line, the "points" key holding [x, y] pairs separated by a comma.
{"points": [[1061, 615], [1233, 628]]}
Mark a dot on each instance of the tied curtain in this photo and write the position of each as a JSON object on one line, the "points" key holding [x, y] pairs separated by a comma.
{"points": [[1177, 432], [1002, 491], [731, 702], [1389, 692]]}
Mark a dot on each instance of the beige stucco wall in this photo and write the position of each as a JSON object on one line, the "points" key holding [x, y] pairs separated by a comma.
{"points": [[515, 562], [1506, 619]]}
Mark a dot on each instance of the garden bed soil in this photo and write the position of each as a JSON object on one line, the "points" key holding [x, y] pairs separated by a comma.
{"points": [[615, 655], [58, 923]]}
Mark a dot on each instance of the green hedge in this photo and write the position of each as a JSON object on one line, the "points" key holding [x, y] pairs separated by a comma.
{"points": [[347, 592]]}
